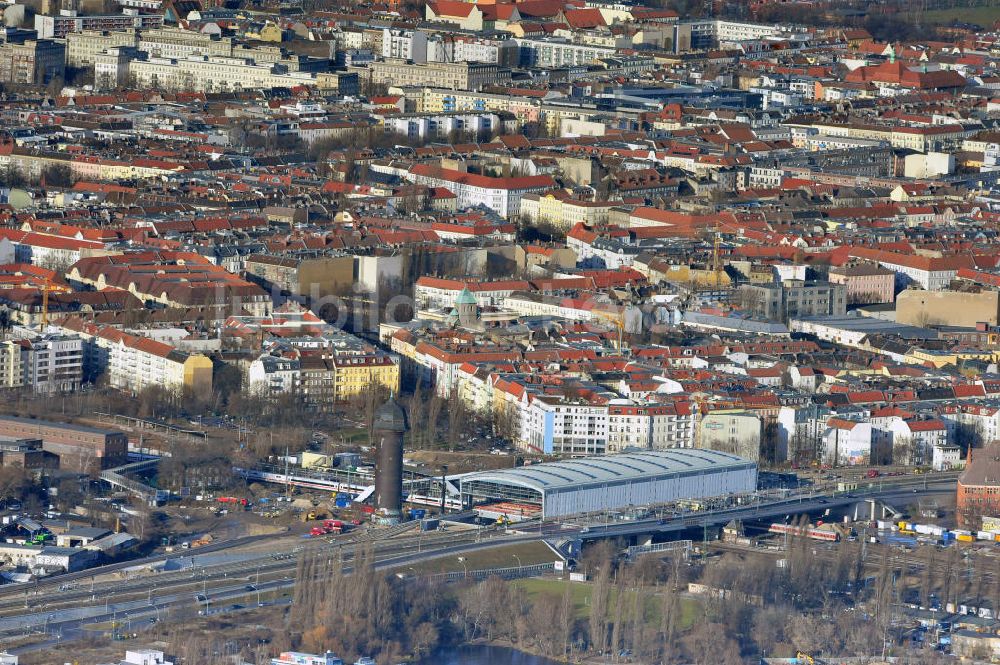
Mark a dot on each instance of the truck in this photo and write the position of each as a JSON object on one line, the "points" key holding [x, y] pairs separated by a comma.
{"points": [[234, 500], [329, 527]]}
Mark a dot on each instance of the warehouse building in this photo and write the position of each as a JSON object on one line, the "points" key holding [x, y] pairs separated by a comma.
{"points": [[613, 482], [79, 448]]}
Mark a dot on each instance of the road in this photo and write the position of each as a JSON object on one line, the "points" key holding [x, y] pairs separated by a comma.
{"points": [[43, 610]]}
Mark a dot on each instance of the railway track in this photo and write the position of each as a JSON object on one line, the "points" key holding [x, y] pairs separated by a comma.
{"points": [[206, 578]]}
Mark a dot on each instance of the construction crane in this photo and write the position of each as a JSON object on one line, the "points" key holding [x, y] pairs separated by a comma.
{"points": [[616, 319], [717, 269], [45, 302]]}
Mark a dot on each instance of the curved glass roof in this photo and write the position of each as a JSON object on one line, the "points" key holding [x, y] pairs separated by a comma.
{"points": [[612, 469]]}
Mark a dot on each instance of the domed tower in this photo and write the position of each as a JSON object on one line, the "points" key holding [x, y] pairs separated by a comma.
{"points": [[389, 427], [468, 308]]}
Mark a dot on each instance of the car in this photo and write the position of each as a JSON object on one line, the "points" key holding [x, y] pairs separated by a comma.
{"points": [[250, 587]]}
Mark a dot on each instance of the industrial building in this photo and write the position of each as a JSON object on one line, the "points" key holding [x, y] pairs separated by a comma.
{"points": [[79, 448], [613, 482], [978, 492]]}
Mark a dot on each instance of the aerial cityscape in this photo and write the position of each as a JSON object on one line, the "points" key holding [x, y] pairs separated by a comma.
{"points": [[499, 332]]}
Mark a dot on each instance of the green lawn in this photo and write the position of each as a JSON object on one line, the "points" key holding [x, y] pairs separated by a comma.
{"points": [[494, 557], [984, 16], [691, 609]]}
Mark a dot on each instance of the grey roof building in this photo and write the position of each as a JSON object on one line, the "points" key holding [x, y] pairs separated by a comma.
{"points": [[614, 481]]}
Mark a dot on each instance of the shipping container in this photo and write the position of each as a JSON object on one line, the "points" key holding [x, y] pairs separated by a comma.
{"points": [[429, 524], [964, 537]]}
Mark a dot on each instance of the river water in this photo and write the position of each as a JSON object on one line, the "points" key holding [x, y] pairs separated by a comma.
{"points": [[485, 655]]}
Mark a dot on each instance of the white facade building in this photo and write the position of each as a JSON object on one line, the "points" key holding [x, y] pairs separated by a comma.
{"points": [[52, 363], [273, 375], [404, 45], [427, 125], [502, 195]]}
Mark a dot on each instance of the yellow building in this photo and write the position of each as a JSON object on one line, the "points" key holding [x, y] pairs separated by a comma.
{"points": [[940, 359], [564, 213], [198, 375], [270, 33], [354, 374]]}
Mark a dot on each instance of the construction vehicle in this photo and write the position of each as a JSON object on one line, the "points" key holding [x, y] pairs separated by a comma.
{"points": [[804, 658], [329, 527]]}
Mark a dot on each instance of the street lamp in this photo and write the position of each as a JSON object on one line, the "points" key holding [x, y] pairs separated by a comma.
{"points": [[465, 568], [519, 564]]}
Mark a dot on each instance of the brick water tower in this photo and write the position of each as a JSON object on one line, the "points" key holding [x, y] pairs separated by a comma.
{"points": [[389, 428]]}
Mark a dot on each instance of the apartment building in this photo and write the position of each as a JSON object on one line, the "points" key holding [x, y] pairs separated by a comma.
{"points": [[314, 276], [537, 304], [564, 212], [271, 375], [736, 432], [11, 369], [48, 250], [213, 74], [83, 47], [67, 21], [922, 139], [794, 298], [342, 83], [404, 45], [455, 75], [111, 67], [52, 363], [438, 100], [932, 273], [649, 427], [179, 43], [429, 125], [502, 195], [866, 283], [547, 53], [353, 374], [557, 425], [133, 363], [32, 61], [320, 381], [440, 293]]}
